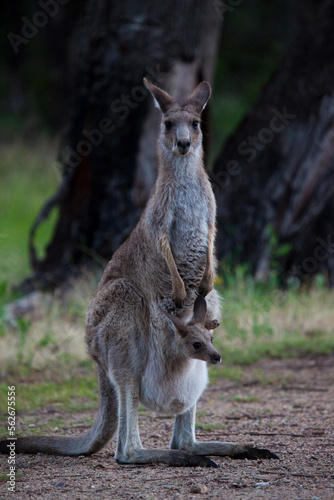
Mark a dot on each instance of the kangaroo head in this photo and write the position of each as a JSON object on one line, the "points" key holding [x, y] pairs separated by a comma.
{"points": [[180, 126], [195, 341]]}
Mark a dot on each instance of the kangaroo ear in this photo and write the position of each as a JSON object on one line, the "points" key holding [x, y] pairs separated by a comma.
{"points": [[200, 97], [162, 99], [200, 309], [176, 323]]}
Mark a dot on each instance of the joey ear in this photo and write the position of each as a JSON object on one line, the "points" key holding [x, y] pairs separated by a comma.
{"points": [[161, 98], [200, 96], [200, 309], [177, 324]]}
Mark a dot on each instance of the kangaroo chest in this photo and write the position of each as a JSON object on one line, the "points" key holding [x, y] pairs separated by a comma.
{"points": [[173, 392], [190, 229]]}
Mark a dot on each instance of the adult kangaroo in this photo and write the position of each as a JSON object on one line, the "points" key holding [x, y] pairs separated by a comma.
{"points": [[148, 326]]}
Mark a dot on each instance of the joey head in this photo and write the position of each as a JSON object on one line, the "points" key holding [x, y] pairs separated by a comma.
{"points": [[195, 339]]}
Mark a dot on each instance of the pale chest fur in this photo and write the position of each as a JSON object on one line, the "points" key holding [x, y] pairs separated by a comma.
{"points": [[171, 392]]}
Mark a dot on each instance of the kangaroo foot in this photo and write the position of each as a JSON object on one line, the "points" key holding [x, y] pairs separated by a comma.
{"points": [[174, 458], [255, 453]]}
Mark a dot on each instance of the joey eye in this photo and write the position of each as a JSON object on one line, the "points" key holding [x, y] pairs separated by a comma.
{"points": [[168, 125], [197, 345], [195, 124]]}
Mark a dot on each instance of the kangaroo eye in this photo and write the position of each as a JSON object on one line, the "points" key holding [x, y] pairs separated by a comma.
{"points": [[168, 125], [195, 124], [197, 345]]}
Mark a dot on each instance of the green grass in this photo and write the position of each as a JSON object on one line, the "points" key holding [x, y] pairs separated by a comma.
{"points": [[36, 426], [73, 394], [209, 427], [78, 393], [245, 399], [260, 320], [28, 178]]}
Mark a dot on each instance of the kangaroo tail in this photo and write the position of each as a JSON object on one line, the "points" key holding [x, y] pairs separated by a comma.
{"points": [[96, 438]]}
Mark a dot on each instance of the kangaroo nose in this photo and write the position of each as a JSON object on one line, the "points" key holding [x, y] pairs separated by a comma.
{"points": [[216, 358], [183, 146]]}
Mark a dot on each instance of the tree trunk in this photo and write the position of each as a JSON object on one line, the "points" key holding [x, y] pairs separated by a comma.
{"points": [[108, 147], [274, 180]]}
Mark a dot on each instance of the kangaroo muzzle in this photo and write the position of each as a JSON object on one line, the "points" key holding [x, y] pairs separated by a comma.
{"points": [[183, 146], [215, 358]]}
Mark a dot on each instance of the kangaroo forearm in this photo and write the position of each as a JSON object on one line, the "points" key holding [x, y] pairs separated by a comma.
{"points": [[206, 284], [169, 258], [209, 270], [178, 288]]}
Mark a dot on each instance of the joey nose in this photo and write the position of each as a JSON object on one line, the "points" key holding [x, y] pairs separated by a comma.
{"points": [[183, 146], [216, 358]]}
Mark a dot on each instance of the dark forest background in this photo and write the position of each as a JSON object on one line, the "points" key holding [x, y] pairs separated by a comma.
{"points": [[269, 137]]}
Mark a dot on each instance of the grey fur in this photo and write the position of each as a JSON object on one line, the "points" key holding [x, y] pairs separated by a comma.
{"points": [[144, 323]]}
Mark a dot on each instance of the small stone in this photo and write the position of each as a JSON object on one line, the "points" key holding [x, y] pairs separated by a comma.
{"points": [[262, 484], [31, 425], [59, 485], [199, 488]]}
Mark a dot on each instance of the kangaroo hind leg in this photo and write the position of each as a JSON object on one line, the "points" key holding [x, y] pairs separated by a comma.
{"points": [[129, 447], [184, 439]]}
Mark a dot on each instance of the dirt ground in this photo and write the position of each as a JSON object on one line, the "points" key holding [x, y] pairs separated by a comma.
{"points": [[286, 406]]}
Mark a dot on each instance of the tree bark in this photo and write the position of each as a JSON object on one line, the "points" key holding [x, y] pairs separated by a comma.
{"points": [[108, 147], [274, 179]]}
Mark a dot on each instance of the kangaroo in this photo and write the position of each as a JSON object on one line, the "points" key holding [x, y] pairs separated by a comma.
{"points": [[148, 325]]}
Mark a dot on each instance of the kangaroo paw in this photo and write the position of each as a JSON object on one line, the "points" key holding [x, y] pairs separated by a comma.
{"points": [[211, 324], [178, 297], [205, 287]]}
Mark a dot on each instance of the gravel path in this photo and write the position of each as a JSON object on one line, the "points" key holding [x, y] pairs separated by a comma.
{"points": [[286, 406]]}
